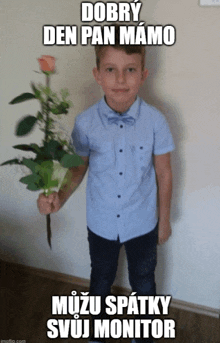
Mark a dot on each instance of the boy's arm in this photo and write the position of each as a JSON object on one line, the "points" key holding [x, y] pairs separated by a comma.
{"points": [[56, 200], [73, 178], [164, 179]]}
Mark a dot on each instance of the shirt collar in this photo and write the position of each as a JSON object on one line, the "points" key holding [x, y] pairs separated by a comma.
{"points": [[133, 110]]}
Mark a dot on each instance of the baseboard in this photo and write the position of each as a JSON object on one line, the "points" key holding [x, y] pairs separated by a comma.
{"points": [[84, 283], [186, 306]]}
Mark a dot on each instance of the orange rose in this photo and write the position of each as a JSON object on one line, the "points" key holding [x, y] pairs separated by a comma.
{"points": [[47, 63]]}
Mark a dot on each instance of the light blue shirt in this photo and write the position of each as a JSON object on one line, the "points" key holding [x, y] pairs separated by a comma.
{"points": [[121, 194]]}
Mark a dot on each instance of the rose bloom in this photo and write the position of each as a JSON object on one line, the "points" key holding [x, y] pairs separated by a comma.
{"points": [[47, 63]]}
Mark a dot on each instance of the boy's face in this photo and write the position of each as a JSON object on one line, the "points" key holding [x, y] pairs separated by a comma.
{"points": [[120, 75]]}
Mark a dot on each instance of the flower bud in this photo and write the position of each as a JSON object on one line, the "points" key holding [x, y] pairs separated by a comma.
{"points": [[47, 63]]}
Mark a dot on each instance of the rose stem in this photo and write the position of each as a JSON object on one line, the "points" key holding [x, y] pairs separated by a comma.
{"points": [[46, 140]]}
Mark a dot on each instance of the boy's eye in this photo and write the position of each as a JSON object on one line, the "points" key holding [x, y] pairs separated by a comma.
{"points": [[110, 69], [131, 70]]}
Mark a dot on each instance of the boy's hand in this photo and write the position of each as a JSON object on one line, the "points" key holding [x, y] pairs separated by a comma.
{"points": [[50, 204], [164, 232]]}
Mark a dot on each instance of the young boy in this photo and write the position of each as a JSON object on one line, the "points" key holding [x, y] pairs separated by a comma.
{"points": [[127, 145]]}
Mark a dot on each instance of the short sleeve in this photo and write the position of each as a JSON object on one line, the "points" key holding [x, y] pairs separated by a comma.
{"points": [[163, 140], [80, 139]]}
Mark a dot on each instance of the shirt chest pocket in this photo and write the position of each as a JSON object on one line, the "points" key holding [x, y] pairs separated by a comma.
{"points": [[143, 152], [101, 156]]}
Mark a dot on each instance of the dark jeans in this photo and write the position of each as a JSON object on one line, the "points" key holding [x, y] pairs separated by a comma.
{"points": [[142, 258]]}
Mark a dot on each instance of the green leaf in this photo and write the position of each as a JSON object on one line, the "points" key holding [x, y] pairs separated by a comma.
{"points": [[45, 169], [32, 178], [69, 161], [46, 165], [22, 97], [43, 155], [65, 104], [47, 90], [39, 115], [33, 182], [60, 154], [53, 149], [37, 92], [25, 147], [52, 183], [33, 187], [33, 87], [25, 126], [28, 162], [61, 108], [35, 147], [50, 99], [14, 161]]}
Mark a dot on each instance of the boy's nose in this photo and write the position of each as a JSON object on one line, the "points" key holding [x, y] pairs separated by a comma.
{"points": [[121, 77]]}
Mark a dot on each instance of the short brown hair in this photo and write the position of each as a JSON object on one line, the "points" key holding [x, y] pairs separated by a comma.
{"points": [[129, 49]]}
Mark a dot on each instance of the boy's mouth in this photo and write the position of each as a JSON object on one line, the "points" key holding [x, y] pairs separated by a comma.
{"points": [[122, 90]]}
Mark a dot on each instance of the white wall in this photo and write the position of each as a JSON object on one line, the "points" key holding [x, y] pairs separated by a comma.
{"points": [[183, 84]]}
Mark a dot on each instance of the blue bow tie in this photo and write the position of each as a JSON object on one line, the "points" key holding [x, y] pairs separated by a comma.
{"points": [[126, 119]]}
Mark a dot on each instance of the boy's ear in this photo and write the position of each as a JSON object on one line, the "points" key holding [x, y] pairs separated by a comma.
{"points": [[145, 74], [96, 75]]}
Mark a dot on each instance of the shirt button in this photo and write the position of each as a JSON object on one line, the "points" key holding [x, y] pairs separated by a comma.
{"points": [[141, 147], [118, 215], [121, 126], [119, 196], [120, 173], [121, 150]]}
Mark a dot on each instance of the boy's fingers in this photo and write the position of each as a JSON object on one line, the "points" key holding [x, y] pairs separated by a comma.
{"points": [[42, 197], [48, 204], [50, 198], [54, 201], [43, 204], [55, 196], [41, 200]]}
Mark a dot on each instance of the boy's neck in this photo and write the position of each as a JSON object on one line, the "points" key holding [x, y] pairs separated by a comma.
{"points": [[120, 108]]}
